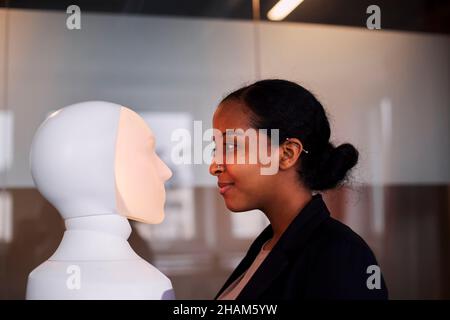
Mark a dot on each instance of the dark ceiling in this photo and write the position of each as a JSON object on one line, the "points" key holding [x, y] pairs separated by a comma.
{"points": [[409, 15]]}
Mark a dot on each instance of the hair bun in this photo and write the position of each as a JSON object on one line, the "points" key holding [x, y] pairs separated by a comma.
{"points": [[333, 165]]}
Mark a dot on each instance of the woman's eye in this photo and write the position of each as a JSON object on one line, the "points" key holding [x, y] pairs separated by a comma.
{"points": [[230, 147]]}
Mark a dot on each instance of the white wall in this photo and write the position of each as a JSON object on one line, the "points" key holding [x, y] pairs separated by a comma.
{"points": [[180, 64]]}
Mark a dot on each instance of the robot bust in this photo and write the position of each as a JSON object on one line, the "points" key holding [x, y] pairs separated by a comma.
{"points": [[96, 163]]}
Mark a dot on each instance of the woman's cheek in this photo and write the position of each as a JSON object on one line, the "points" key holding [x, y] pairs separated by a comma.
{"points": [[245, 175]]}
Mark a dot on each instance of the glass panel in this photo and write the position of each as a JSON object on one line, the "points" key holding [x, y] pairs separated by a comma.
{"points": [[386, 92]]}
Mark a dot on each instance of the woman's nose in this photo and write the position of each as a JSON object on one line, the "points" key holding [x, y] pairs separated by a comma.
{"points": [[216, 169]]}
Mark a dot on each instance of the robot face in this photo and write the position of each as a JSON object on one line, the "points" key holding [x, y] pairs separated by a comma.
{"points": [[139, 172]]}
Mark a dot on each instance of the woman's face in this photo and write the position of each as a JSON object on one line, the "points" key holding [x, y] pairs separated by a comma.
{"points": [[242, 185]]}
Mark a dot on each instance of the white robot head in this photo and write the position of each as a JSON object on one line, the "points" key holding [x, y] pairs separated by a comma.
{"points": [[96, 158]]}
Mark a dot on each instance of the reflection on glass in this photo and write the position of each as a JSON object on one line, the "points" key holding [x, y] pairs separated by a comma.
{"points": [[380, 126], [6, 218], [6, 140]]}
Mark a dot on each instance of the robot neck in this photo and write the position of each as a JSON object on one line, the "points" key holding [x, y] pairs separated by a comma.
{"points": [[95, 238]]}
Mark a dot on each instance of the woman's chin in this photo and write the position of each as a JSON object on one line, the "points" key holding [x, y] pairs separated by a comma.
{"points": [[235, 207]]}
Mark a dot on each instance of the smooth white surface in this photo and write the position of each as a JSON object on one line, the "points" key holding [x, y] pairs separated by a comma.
{"points": [[72, 163], [72, 158], [109, 268], [110, 280], [102, 237]]}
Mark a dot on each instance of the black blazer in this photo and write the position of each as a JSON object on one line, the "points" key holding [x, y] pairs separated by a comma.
{"points": [[317, 257]]}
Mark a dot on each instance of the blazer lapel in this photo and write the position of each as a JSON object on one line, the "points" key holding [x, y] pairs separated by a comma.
{"points": [[253, 251], [293, 240], [267, 273]]}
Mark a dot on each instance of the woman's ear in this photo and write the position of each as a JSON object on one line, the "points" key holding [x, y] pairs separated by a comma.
{"points": [[290, 151]]}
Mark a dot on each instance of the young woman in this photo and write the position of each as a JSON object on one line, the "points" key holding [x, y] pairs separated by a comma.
{"points": [[303, 253]]}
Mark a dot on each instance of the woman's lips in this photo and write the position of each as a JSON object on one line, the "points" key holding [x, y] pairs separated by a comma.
{"points": [[224, 187]]}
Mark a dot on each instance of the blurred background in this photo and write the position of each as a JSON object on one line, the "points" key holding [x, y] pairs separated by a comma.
{"points": [[385, 90]]}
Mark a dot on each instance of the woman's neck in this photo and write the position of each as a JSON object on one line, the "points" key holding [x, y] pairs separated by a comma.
{"points": [[283, 208]]}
